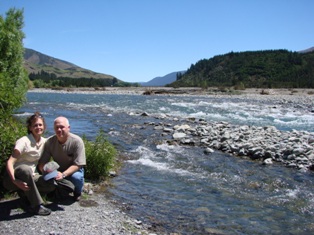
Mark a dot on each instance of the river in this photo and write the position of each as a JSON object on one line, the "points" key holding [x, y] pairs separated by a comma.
{"points": [[179, 188]]}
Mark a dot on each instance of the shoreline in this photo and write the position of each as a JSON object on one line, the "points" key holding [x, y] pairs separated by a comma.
{"points": [[298, 97], [180, 91], [95, 215]]}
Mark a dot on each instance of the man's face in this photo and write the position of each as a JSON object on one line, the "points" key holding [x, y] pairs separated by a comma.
{"points": [[61, 128]]}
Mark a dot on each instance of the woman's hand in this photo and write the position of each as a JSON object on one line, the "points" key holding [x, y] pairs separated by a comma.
{"points": [[21, 185]]}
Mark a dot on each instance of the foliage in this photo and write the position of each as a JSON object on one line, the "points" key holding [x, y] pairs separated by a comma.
{"points": [[259, 69], [100, 157], [13, 77], [44, 79], [13, 81], [12, 129]]}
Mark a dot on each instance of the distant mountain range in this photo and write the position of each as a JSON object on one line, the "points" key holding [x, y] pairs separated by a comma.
{"points": [[272, 68], [162, 81], [307, 50], [37, 63]]}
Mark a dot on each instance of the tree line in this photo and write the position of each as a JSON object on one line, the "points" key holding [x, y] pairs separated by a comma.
{"points": [[44, 79], [256, 69]]}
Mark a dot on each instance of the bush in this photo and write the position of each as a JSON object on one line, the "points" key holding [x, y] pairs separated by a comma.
{"points": [[11, 130], [100, 157], [239, 86]]}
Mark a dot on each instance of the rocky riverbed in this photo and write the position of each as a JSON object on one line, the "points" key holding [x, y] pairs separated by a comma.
{"points": [[267, 144]]}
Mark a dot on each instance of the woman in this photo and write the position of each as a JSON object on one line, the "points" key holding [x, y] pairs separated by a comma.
{"points": [[22, 175]]}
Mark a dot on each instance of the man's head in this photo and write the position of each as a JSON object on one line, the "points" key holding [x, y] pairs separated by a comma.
{"points": [[62, 128]]}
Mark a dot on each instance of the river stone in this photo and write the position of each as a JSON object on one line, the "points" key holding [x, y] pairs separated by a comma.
{"points": [[178, 135], [298, 151], [182, 127], [167, 129], [268, 161], [209, 150], [144, 114]]}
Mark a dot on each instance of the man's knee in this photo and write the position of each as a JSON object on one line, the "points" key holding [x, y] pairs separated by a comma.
{"points": [[77, 179], [78, 176]]}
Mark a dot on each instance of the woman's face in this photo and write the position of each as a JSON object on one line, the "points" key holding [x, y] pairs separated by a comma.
{"points": [[37, 128]]}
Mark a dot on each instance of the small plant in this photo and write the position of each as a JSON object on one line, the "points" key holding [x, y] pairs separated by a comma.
{"points": [[222, 89], [100, 157], [148, 92], [239, 86]]}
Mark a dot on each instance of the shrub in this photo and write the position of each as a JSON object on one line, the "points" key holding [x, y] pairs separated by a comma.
{"points": [[11, 130], [100, 157], [239, 86]]}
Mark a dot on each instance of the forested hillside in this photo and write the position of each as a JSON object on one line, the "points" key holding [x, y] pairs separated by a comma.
{"points": [[260, 69], [46, 71]]}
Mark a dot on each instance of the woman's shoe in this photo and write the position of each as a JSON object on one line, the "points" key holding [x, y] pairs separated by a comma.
{"points": [[40, 210]]}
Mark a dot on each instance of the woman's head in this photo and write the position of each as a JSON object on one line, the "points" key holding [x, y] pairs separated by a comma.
{"points": [[36, 121]]}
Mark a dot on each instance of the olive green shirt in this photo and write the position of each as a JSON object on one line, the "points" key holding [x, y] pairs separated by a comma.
{"points": [[72, 152]]}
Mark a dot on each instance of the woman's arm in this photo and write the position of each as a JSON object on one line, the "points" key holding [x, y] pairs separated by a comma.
{"points": [[10, 169]]}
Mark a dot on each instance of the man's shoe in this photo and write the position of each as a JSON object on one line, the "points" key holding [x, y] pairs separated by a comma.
{"points": [[40, 210], [77, 196]]}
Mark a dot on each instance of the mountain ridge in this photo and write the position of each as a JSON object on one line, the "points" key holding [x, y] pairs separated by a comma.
{"points": [[163, 80], [40, 65], [36, 62], [260, 69]]}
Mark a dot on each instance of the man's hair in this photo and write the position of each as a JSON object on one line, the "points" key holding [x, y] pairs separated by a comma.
{"points": [[66, 120]]}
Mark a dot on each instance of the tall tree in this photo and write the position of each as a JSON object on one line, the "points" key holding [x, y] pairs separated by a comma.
{"points": [[13, 77], [13, 81]]}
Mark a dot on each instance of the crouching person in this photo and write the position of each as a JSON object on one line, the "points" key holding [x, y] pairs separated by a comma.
{"points": [[68, 151], [21, 175]]}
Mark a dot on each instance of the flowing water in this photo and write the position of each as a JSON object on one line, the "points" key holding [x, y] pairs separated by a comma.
{"points": [[181, 189]]}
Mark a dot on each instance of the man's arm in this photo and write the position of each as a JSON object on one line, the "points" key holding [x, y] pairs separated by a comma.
{"points": [[72, 169]]}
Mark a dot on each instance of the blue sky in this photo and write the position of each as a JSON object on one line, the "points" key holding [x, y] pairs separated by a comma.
{"points": [[138, 40]]}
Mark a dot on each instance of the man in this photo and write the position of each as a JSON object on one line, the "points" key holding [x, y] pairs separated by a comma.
{"points": [[67, 149]]}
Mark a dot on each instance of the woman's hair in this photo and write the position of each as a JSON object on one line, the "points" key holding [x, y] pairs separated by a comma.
{"points": [[30, 120]]}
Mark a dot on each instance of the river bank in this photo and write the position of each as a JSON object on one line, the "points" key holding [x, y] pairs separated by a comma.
{"points": [[182, 91], [93, 215], [303, 97]]}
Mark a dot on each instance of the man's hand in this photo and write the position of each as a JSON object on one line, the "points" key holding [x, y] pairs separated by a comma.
{"points": [[59, 176]]}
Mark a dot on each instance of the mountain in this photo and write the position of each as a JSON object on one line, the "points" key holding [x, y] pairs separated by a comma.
{"points": [[307, 50], [36, 63], [255, 69], [162, 81]]}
